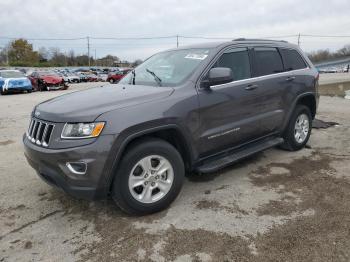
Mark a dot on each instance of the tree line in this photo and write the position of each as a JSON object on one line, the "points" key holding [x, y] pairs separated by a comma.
{"points": [[326, 54], [21, 53]]}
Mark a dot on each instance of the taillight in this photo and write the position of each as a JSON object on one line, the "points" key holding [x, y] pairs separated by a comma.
{"points": [[317, 76]]}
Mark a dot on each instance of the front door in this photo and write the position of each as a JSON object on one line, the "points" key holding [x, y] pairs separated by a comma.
{"points": [[229, 112]]}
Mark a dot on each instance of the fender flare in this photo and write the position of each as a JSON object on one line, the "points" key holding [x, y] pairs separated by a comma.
{"points": [[294, 104], [121, 143]]}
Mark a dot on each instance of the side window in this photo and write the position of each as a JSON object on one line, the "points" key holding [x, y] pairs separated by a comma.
{"points": [[292, 60], [268, 61], [238, 60]]}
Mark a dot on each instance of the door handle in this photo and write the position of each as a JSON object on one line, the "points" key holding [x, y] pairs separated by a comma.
{"points": [[290, 78], [251, 87]]}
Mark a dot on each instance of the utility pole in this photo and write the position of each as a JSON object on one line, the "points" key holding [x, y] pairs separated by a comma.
{"points": [[299, 39], [95, 58], [177, 41], [88, 46]]}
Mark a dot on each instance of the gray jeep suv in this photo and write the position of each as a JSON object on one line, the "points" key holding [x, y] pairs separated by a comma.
{"points": [[197, 108]]}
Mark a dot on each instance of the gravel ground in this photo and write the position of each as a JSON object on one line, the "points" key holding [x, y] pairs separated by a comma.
{"points": [[274, 206], [334, 78]]}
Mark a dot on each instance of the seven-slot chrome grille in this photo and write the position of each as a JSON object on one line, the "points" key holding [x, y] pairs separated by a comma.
{"points": [[39, 132]]}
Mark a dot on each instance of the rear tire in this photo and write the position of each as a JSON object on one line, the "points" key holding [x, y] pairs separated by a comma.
{"points": [[298, 130], [140, 188]]}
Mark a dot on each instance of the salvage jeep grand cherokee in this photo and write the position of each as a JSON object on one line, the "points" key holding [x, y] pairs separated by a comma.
{"points": [[197, 108]]}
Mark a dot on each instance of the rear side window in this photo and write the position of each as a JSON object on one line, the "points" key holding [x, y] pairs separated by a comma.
{"points": [[268, 61], [292, 60], [238, 60]]}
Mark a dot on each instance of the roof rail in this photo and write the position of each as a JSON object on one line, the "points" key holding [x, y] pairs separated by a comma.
{"points": [[252, 39]]}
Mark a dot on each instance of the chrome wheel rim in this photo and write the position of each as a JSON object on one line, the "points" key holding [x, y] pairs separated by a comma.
{"points": [[151, 179], [301, 129]]}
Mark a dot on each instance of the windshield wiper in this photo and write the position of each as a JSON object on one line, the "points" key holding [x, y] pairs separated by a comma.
{"points": [[156, 78]]}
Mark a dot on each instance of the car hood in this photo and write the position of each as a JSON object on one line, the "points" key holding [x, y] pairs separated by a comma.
{"points": [[87, 105], [52, 79]]}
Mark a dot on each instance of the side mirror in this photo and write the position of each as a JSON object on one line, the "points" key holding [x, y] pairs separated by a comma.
{"points": [[218, 76]]}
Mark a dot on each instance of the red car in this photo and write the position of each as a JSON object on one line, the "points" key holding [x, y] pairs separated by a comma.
{"points": [[91, 78], [115, 77], [46, 81]]}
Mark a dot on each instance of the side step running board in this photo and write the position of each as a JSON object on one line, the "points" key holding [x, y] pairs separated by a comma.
{"points": [[228, 158]]}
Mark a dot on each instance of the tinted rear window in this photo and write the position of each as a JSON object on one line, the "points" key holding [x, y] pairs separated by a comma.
{"points": [[292, 60], [268, 61]]}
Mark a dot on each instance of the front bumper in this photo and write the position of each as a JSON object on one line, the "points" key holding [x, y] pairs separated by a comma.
{"points": [[51, 166], [56, 86]]}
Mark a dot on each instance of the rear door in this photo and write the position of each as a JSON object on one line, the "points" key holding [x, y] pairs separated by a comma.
{"points": [[269, 71], [297, 80]]}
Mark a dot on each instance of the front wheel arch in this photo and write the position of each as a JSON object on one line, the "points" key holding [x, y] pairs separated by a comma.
{"points": [[121, 193], [119, 148]]}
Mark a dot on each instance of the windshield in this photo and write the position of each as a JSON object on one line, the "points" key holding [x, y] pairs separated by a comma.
{"points": [[11, 74], [167, 68]]}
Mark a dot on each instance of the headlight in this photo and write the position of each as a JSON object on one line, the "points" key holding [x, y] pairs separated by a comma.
{"points": [[82, 130]]}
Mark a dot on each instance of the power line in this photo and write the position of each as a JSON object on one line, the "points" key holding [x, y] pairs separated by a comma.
{"points": [[205, 37], [42, 39], [169, 37], [133, 38], [327, 36]]}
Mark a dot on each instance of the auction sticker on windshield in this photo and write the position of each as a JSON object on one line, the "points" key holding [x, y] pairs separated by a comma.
{"points": [[196, 56]]}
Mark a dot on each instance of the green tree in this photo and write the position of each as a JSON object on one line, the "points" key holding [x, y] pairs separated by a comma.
{"points": [[21, 53]]}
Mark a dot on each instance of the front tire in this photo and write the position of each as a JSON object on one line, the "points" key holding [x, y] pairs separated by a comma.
{"points": [[298, 130], [149, 177]]}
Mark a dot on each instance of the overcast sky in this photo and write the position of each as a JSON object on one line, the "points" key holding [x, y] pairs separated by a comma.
{"points": [[140, 18]]}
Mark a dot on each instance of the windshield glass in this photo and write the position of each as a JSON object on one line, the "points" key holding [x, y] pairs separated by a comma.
{"points": [[11, 74], [167, 68]]}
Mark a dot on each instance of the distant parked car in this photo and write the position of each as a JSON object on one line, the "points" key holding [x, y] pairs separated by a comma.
{"points": [[47, 80], [14, 81], [115, 77], [102, 77], [92, 78], [65, 79], [82, 77], [332, 70], [71, 78]]}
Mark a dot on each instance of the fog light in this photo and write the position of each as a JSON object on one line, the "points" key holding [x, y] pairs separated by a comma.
{"points": [[78, 168]]}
